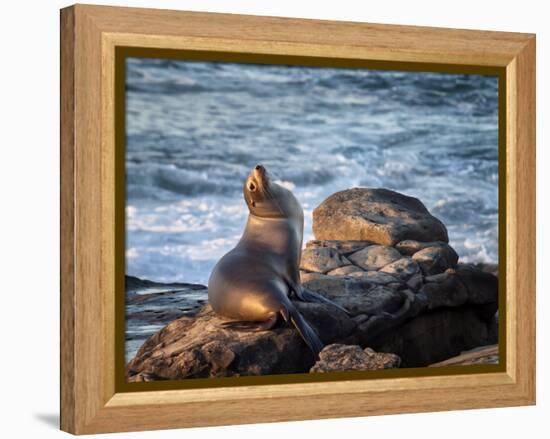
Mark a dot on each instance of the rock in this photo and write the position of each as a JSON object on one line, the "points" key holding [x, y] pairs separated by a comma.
{"points": [[331, 286], [376, 300], [330, 323], [487, 268], [360, 318], [376, 277], [374, 257], [306, 276], [415, 282], [378, 215], [436, 259], [402, 269], [465, 285], [482, 286], [322, 259], [383, 322], [357, 295], [397, 285], [348, 269], [417, 303], [342, 247], [409, 247], [219, 356], [445, 289], [433, 337], [481, 355], [338, 357], [202, 347]]}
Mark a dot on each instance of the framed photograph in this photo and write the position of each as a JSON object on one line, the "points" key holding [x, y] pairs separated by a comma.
{"points": [[292, 219]]}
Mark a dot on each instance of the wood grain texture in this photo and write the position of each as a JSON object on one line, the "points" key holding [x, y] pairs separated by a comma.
{"points": [[90, 35], [523, 225], [67, 253], [310, 37], [90, 328], [107, 215]]}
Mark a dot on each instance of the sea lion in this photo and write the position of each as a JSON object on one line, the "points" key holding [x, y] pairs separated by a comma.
{"points": [[253, 282]]}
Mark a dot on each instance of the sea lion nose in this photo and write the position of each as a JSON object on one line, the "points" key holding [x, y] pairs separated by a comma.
{"points": [[258, 167]]}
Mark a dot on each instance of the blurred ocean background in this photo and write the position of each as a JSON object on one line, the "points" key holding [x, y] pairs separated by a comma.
{"points": [[195, 129]]}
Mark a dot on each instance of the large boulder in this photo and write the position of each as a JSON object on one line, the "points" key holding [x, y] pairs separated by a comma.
{"points": [[339, 357], [378, 215]]}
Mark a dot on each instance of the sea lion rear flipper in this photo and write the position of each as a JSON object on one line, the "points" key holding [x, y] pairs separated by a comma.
{"points": [[306, 295], [290, 313]]}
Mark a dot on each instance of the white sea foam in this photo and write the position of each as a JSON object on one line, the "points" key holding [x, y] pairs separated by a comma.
{"points": [[132, 253]]}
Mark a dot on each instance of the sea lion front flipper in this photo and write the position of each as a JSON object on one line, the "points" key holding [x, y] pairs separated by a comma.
{"points": [[292, 315], [248, 326], [306, 295]]}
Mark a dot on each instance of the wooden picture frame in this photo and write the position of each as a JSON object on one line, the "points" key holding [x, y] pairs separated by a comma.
{"points": [[91, 400]]}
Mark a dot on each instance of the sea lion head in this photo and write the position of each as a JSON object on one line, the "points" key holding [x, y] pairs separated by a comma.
{"points": [[267, 199]]}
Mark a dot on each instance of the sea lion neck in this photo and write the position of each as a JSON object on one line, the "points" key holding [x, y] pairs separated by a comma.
{"points": [[257, 220], [271, 233]]}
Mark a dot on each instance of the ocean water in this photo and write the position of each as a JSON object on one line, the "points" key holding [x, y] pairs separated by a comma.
{"points": [[195, 129]]}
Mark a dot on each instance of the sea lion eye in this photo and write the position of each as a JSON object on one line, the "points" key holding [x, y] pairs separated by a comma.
{"points": [[251, 187]]}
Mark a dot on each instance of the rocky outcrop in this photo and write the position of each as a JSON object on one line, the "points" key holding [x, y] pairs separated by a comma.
{"points": [[413, 299], [405, 289], [378, 215], [434, 336], [202, 346], [339, 357]]}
